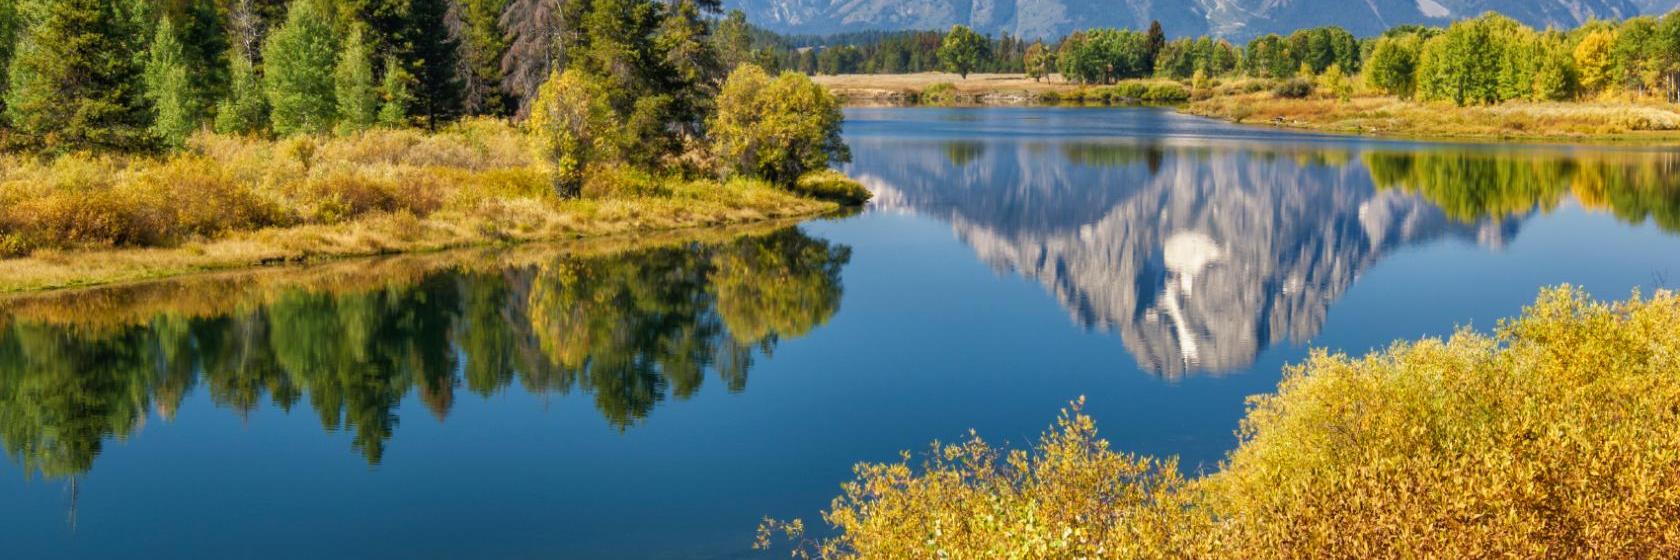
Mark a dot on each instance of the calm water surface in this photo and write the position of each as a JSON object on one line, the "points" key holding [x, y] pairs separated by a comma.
{"points": [[656, 403]]}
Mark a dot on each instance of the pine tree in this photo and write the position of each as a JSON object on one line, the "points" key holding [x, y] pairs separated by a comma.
{"points": [[298, 70], [396, 95], [1157, 40], [433, 60], [482, 45], [358, 101], [10, 21], [177, 104], [74, 82], [245, 109]]}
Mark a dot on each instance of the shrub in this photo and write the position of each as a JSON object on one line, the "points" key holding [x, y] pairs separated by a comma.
{"points": [[1294, 88], [938, 94], [1166, 92], [619, 181], [833, 186], [776, 129], [572, 125], [1553, 438]]}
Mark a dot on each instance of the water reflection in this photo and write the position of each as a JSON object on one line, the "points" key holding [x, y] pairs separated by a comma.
{"points": [[1201, 252], [630, 329]]}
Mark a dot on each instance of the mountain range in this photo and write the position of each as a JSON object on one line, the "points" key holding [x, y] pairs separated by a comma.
{"points": [[1237, 20]]}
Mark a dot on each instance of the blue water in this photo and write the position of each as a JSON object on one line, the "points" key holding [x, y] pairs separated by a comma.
{"points": [[658, 403]]}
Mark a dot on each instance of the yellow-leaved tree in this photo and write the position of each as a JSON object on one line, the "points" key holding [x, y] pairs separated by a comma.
{"points": [[1593, 61]]}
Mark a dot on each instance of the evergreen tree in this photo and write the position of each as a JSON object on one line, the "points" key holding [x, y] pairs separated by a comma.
{"points": [[396, 93], [358, 101], [177, 102], [482, 46], [74, 81], [203, 32], [1157, 40], [245, 109], [432, 56], [10, 22], [733, 38], [298, 70]]}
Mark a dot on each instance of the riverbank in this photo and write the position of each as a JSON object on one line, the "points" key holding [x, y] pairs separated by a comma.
{"points": [[1248, 101], [231, 202], [219, 291], [1374, 115]]}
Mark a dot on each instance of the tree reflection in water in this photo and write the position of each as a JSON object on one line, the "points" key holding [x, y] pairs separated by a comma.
{"points": [[631, 329]]}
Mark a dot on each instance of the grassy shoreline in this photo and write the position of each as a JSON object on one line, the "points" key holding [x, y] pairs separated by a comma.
{"points": [[230, 202], [1246, 102], [132, 302]]}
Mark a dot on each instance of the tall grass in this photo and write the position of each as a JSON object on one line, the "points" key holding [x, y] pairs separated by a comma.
{"points": [[229, 183], [1556, 437]]}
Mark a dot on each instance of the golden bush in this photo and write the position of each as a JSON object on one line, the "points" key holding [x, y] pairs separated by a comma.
{"points": [[1554, 438]]}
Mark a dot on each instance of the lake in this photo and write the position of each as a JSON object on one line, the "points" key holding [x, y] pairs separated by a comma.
{"points": [[655, 399]]}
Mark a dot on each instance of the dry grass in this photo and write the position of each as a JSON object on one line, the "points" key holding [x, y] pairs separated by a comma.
{"points": [[232, 202], [892, 89], [1382, 115]]}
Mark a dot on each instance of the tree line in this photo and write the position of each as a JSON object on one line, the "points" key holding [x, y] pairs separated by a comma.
{"points": [[1488, 59], [607, 83]]}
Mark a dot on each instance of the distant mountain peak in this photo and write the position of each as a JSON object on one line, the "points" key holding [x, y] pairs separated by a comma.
{"points": [[1234, 19]]}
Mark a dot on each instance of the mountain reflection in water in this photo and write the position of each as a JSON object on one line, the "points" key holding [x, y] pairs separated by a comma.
{"points": [[1200, 252], [630, 329]]}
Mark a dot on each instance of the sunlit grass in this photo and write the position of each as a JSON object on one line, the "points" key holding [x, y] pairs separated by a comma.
{"points": [[230, 201]]}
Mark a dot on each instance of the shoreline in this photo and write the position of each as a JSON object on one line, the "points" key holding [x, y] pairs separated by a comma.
{"points": [[144, 297], [516, 224], [1363, 116]]}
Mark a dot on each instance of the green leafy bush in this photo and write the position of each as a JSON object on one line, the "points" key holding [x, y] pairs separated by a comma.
{"points": [[776, 129]]}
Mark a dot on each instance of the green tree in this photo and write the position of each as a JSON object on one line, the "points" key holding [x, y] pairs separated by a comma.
{"points": [[483, 45], [434, 57], [1463, 64], [178, 105], [10, 23], [572, 126], [733, 37], [358, 100], [300, 58], [962, 50], [1336, 82], [776, 129], [396, 95], [245, 109], [1155, 41], [1393, 65], [1037, 61], [74, 81], [1556, 78]]}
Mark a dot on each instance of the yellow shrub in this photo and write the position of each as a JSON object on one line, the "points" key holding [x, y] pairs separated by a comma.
{"points": [[1559, 437]]}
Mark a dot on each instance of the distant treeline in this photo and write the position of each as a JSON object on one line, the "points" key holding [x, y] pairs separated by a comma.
{"points": [[1488, 59]]}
